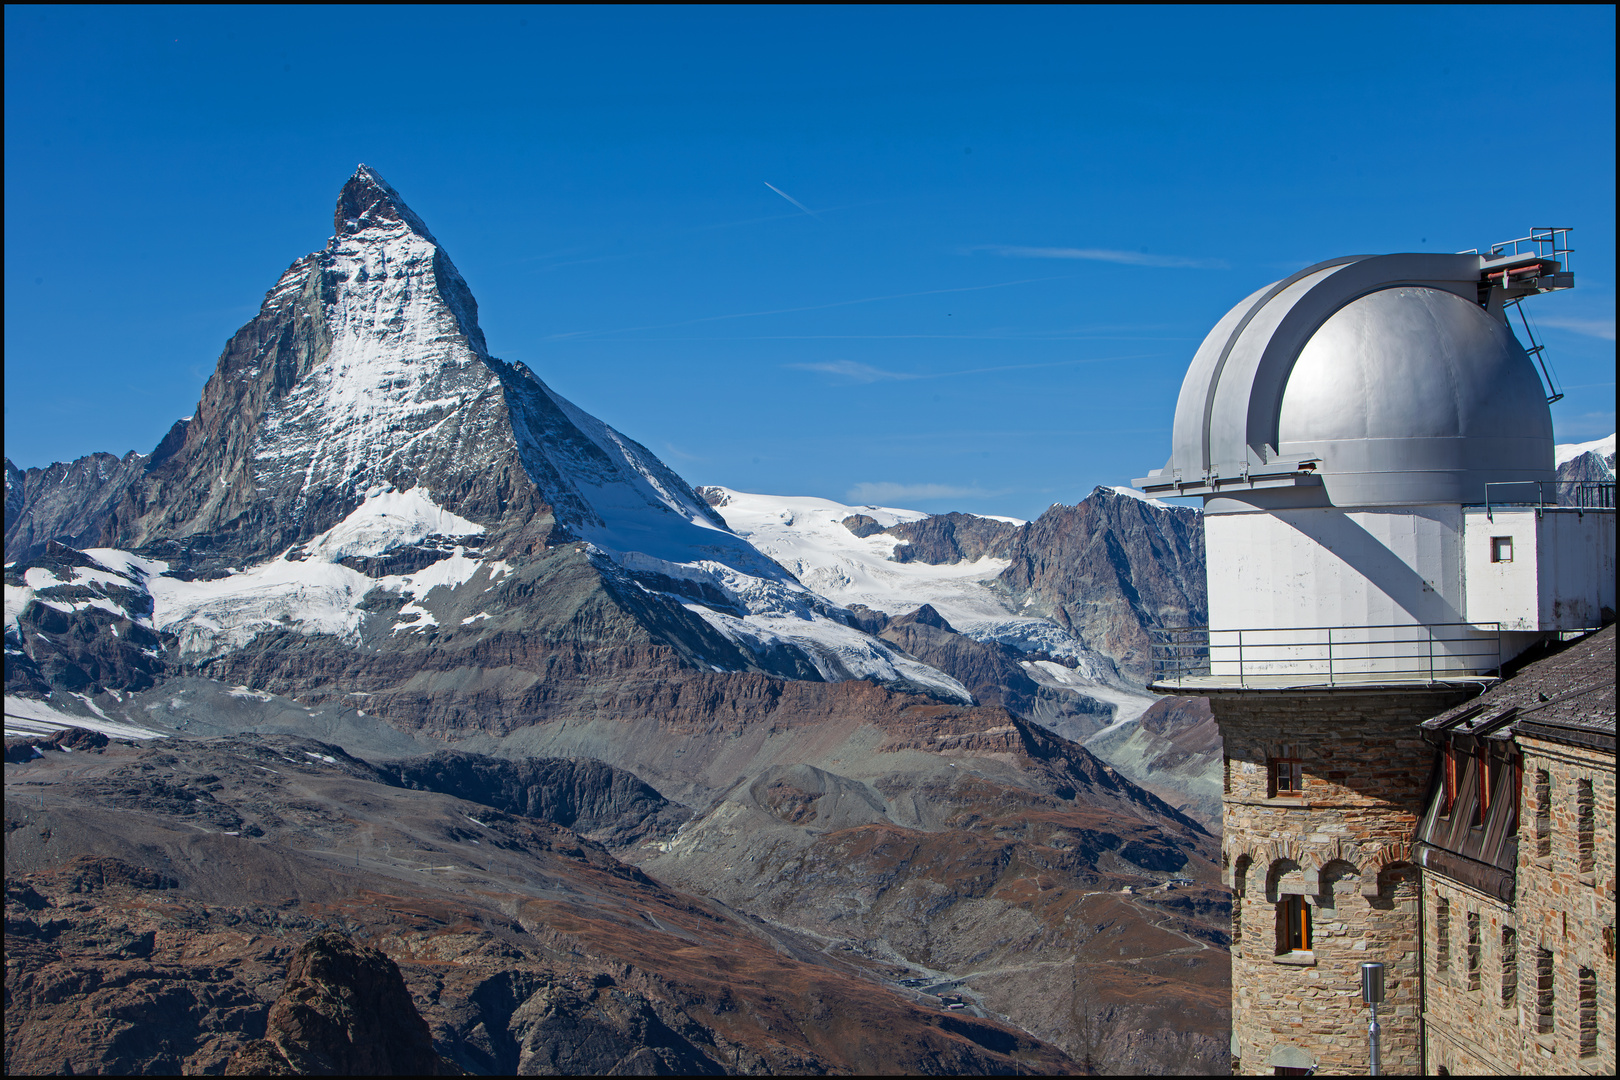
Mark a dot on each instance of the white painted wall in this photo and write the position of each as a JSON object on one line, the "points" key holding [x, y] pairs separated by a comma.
{"points": [[1504, 592], [1577, 569], [1345, 570], [1562, 575]]}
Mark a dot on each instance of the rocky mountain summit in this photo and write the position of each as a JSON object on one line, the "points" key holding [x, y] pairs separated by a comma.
{"points": [[399, 642], [343, 1011]]}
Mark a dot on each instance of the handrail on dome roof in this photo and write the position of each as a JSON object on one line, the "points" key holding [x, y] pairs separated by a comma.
{"points": [[1550, 242]]}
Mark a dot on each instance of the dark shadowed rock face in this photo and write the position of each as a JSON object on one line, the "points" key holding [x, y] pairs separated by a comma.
{"points": [[993, 674], [1108, 569], [949, 538], [862, 525], [593, 798], [344, 1012], [84, 634], [68, 501]]}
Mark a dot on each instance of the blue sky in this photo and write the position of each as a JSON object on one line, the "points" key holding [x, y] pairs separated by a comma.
{"points": [[1017, 223]]}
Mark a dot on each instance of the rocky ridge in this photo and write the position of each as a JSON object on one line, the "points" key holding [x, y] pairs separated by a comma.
{"points": [[157, 903], [343, 1011], [1173, 750], [372, 526]]}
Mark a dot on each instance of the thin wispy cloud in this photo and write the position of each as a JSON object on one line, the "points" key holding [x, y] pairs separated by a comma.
{"points": [[794, 310], [866, 373], [676, 452], [1124, 258], [789, 198], [1598, 328], [884, 493]]}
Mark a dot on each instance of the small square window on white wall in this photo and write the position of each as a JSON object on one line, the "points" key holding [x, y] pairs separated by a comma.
{"points": [[1501, 549]]}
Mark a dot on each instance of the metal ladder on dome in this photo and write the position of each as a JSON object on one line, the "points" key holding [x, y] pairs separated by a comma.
{"points": [[1523, 267]]}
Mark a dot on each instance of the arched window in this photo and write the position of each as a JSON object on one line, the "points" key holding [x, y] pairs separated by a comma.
{"points": [[1293, 925], [1240, 884]]}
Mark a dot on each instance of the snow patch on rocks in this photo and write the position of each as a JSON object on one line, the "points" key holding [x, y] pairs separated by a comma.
{"points": [[1603, 447]]}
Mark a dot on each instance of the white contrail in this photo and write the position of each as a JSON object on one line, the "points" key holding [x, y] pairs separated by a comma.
{"points": [[789, 198], [1126, 258]]}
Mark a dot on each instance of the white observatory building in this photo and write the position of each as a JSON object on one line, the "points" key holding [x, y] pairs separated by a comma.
{"points": [[1383, 532], [1375, 453]]}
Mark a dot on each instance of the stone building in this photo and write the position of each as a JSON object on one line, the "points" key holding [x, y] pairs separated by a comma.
{"points": [[1517, 850], [1374, 450], [1318, 852]]}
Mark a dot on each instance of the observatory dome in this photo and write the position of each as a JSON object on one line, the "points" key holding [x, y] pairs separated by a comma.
{"points": [[1415, 394], [1363, 381]]}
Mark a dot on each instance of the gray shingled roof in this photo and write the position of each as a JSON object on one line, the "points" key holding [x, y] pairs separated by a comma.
{"points": [[1567, 696]]}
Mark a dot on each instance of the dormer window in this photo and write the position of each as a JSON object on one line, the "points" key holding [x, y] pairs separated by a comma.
{"points": [[1482, 804], [1449, 764], [1287, 777]]}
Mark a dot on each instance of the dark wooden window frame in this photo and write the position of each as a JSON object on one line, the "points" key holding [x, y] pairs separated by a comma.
{"points": [[1287, 773], [1449, 766], [1293, 925], [1486, 770]]}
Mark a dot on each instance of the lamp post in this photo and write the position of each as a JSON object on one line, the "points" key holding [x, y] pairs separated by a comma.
{"points": [[1372, 992]]}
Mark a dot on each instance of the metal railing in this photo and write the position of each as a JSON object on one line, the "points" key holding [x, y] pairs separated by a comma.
{"points": [[1547, 243], [1580, 495], [1326, 655], [1544, 243]]}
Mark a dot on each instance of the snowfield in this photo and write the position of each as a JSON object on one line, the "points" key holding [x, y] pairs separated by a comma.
{"points": [[26, 718], [308, 590], [806, 535], [1568, 451]]}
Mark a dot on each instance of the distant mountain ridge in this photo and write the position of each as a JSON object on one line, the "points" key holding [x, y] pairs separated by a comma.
{"points": [[1080, 583], [373, 533], [365, 377]]}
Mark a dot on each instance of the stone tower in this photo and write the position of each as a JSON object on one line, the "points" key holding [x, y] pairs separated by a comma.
{"points": [[1372, 443]]}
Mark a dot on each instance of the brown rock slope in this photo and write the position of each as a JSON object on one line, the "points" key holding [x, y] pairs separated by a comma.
{"points": [[1000, 863], [155, 897], [1174, 751], [343, 1011], [994, 674]]}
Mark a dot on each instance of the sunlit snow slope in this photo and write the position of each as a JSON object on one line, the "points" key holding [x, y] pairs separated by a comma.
{"points": [[357, 438], [807, 536], [1603, 447]]}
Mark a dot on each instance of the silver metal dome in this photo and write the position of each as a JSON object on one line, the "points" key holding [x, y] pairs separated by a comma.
{"points": [[1363, 381], [1415, 395]]}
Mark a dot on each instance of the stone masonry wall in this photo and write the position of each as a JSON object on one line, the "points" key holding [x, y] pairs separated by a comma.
{"points": [[1472, 1026], [1345, 846], [1567, 911]]}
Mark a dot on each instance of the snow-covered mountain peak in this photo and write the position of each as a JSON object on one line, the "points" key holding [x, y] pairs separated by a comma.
{"points": [[368, 201], [1603, 448], [357, 438]]}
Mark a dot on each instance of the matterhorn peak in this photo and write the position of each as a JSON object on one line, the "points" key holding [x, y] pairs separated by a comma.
{"points": [[368, 200]]}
